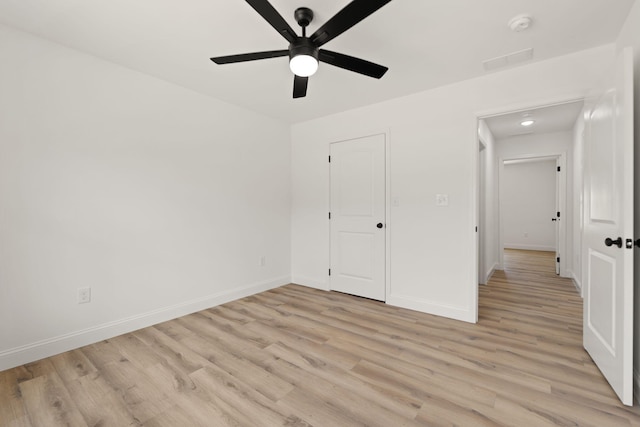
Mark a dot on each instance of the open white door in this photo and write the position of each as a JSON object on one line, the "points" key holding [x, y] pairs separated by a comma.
{"points": [[357, 215], [556, 217], [608, 228]]}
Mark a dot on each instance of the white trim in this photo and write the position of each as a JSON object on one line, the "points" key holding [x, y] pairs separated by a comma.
{"points": [[473, 250], [52, 346], [425, 306], [492, 270], [577, 283], [387, 213], [526, 106], [309, 282], [529, 247]]}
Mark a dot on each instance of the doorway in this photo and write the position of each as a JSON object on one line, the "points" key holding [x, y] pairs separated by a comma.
{"points": [[532, 199], [550, 134]]}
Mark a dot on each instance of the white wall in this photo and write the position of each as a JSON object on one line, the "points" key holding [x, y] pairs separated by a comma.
{"points": [[630, 36], [159, 199], [528, 203], [433, 149], [489, 207], [541, 144]]}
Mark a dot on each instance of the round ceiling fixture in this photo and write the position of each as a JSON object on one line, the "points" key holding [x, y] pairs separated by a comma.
{"points": [[303, 57], [520, 23]]}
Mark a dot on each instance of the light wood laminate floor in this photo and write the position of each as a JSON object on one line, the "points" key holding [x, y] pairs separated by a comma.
{"points": [[295, 356]]}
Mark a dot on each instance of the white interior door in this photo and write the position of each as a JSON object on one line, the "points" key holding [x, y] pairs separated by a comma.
{"points": [[556, 217], [358, 217], [608, 228]]}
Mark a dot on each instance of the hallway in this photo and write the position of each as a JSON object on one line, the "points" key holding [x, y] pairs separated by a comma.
{"points": [[541, 315]]}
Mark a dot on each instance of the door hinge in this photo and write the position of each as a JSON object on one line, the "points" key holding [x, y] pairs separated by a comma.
{"points": [[329, 159], [558, 168], [476, 228], [558, 259], [329, 272], [329, 215]]}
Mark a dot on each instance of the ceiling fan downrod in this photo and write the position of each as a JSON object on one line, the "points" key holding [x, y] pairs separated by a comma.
{"points": [[303, 16]]}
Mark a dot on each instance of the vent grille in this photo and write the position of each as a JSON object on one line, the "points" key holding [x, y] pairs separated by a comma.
{"points": [[508, 60]]}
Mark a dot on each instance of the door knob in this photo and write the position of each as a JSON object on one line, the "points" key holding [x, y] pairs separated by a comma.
{"points": [[379, 225], [554, 219], [617, 242]]}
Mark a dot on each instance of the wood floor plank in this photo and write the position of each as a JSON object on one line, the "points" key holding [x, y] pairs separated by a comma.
{"points": [[48, 402], [12, 409], [302, 357], [245, 404], [72, 365], [298, 360], [99, 403]]}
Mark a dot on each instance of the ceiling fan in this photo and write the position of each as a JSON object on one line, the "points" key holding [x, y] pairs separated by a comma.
{"points": [[304, 52]]}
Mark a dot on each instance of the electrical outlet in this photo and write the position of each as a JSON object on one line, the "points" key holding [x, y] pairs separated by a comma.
{"points": [[262, 261], [84, 295]]}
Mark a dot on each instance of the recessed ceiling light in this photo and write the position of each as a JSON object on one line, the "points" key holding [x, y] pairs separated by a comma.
{"points": [[527, 122]]}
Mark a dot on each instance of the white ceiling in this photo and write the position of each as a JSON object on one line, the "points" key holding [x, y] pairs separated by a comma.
{"points": [[425, 43], [556, 118]]}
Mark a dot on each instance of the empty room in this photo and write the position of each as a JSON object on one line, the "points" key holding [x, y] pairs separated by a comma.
{"points": [[276, 213]]}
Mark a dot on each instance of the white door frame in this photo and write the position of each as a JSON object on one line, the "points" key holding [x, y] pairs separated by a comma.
{"points": [[481, 221], [561, 160]]}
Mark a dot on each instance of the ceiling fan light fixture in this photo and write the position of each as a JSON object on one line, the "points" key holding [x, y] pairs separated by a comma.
{"points": [[303, 65], [527, 122], [303, 56]]}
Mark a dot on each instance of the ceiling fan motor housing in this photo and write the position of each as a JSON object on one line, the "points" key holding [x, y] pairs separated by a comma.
{"points": [[303, 46]]}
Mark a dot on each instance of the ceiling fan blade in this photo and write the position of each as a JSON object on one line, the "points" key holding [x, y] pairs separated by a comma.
{"points": [[300, 86], [352, 64], [352, 13], [243, 57], [271, 15]]}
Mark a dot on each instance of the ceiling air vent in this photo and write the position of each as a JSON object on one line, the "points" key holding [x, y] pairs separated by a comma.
{"points": [[508, 60]]}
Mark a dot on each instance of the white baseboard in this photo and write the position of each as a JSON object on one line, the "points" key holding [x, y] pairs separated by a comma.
{"points": [[431, 308], [529, 247], [309, 282], [492, 270], [576, 283], [55, 345]]}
